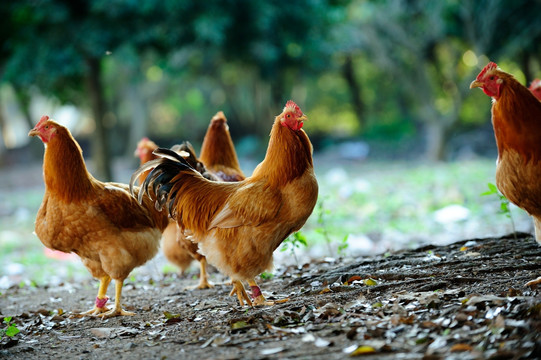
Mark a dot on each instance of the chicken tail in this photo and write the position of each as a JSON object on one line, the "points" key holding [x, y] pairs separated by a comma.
{"points": [[158, 182], [188, 153]]}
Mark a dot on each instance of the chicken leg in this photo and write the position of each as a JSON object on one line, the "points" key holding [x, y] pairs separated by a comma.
{"points": [[101, 299], [203, 276], [238, 289], [258, 297], [117, 310]]}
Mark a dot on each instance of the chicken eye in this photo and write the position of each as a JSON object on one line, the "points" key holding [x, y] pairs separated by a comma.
{"points": [[491, 78]]}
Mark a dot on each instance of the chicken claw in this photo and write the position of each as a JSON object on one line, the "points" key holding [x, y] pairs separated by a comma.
{"points": [[98, 309], [238, 289], [203, 284], [259, 299], [203, 277], [101, 299], [116, 312]]}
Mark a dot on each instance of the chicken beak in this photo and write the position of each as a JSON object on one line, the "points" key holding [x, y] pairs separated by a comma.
{"points": [[33, 132], [476, 84]]}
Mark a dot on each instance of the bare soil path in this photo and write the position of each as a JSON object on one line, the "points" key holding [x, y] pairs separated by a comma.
{"points": [[466, 300]]}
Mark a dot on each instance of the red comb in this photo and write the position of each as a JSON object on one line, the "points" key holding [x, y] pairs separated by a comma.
{"points": [[291, 104], [490, 66], [43, 119], [535, 84]]}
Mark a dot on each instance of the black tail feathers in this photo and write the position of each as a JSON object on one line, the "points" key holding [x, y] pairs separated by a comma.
{"points": [[164, 169]]}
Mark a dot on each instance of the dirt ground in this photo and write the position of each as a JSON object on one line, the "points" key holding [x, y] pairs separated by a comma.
{"points": [[466, 300]]}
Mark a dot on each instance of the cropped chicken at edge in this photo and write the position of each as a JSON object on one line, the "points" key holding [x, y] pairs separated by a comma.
{"points": [[535, 88], [101, 222], [238, 225], [516, 118]]}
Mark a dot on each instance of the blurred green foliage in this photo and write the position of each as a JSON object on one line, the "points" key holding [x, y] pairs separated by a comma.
{"points": [[359, 68]]}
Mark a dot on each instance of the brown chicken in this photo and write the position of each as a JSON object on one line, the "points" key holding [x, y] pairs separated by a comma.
{"points": [[110, 231], [516, 118], [535, 88], [238, 225], [175, 246], [144, 150], [218, 152], [218, 161]]}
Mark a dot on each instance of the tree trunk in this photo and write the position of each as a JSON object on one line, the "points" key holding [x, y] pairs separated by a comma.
{"points": [[348, 72], [139, 123], [100, 144], [435, 133]]}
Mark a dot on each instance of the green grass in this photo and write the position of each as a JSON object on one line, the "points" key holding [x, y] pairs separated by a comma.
{"points": [[399, 200], [393, 204]]}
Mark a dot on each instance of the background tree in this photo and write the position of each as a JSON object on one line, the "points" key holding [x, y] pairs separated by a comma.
{"points": [[383, 70]]}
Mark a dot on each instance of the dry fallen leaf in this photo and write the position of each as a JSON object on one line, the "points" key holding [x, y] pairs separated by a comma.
{"points": [[102, 332], [461, 347], [239, 325], [363, 350], [325, 290], [370, 282], [271, 351], [298, 330]]}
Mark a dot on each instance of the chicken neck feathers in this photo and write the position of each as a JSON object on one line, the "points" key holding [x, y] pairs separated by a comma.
{"points": [[516, 118]]}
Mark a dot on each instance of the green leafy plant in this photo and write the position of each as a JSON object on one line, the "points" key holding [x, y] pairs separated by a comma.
{"points": [[322, 229], [504, 204], [343, 245], [321, 221], [11, 328], [266, 275], [292, 242]]}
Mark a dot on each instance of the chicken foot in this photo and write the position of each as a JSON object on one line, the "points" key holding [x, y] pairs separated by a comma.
{"points": [[203, 277], [101, 299], [100, 309], [258, 297], [238, 289], [117, 310]]}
